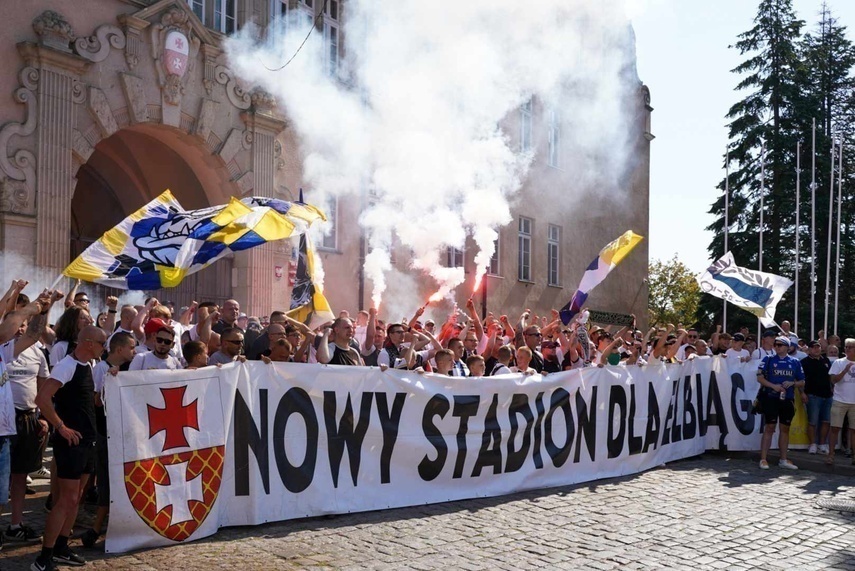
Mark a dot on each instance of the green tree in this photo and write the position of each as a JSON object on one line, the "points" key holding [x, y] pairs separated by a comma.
{"points": [[674, 293], [764, 128]]}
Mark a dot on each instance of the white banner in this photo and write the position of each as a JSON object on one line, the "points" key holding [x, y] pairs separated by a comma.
{"points": [[193, 451]]}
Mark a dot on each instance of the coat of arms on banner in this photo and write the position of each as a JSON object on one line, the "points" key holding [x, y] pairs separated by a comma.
{"points": [[174, 491]]}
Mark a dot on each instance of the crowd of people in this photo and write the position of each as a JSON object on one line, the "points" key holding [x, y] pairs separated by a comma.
{"points": [[57, 372]]}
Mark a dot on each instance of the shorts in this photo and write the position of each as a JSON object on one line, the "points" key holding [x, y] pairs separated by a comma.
{"points": [[818, 410], [5, 468], [29, 444], [839, 410], [102, 473], [776, 410], [72, 462]]}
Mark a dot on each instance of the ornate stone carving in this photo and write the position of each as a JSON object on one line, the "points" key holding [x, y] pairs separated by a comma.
{"points": [[174, 46], [135, 94], [96, 47], [80, 147], [236, 141], [277, 155], [53, 30], [78, 92], [20, 165], [100, 109], [13, 196], [207, 116], [261, 100], [236, 94]]}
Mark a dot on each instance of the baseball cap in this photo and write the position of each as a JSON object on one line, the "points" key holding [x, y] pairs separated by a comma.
{"points": [[738, 337], [770, 333], [814, 343], [430, 322], [784, 340], [794, 343], [154, 325]]}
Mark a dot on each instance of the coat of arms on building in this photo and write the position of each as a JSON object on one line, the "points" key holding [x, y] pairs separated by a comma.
{"points": [[174, 47]]}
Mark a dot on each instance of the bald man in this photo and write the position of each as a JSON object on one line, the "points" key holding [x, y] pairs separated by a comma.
{"points": [[67, 401]]}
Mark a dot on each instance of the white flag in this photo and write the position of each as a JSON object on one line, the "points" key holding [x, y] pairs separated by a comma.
{"points": [[754, 291]]}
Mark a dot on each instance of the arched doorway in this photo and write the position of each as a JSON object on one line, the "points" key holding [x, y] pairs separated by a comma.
{"points": [[130, 168]]}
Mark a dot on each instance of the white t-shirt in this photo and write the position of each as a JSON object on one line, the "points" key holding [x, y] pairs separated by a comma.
{"points": [[148, 361], [761, 353], [23, 374], [736, 356], [844, 389], [58, 352], [7, 405]]}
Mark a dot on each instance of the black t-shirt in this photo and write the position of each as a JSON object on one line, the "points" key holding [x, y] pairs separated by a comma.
{"points": [[536, 361], [75, 399], [341, 356], [817, 382], [371, 360], [551, 366]]}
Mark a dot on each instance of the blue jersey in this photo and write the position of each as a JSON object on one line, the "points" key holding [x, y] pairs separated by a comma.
{"points": [[779, 370]]}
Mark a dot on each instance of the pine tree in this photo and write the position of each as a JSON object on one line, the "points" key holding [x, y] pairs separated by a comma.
{"points": [[829, 58], [767, 117]]}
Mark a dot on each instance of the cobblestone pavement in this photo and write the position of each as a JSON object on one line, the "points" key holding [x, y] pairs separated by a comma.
{"points": [[709, 512]]}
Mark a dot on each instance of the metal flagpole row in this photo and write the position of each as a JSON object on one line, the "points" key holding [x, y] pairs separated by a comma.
{"points": [[726, 224], [839, 208], [762, 196], [798, 227], [828, 243], [813, 234]]}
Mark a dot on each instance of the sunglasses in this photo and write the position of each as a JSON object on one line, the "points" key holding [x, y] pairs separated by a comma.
{"points": [[234, 341], [534, 334], [163, 341], [782, 345]]}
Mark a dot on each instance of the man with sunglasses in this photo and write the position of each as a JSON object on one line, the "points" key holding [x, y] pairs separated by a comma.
{"points": [[231, 344], [67, 402], [160, 343], [532, 337], [778, 376]]}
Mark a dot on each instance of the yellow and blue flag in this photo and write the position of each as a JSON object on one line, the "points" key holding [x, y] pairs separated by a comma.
{"points": [[161, 243], [308, 304], [609, 257]]}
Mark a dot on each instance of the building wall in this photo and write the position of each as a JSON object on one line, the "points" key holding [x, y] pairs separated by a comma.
{"points": [[86, 108]]}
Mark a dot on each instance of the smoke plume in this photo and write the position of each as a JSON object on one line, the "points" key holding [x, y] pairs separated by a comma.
{"points": [[418, 122]]}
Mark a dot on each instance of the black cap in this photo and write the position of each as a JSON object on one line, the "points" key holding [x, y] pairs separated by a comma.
{"points": [[770, 333], [738, 337], [814, 343]]}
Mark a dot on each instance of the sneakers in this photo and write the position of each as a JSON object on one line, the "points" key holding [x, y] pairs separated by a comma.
{"points": [[812, 449], [68, 557], [764, 465], [787, 465], [823, 448], [21, 534], [89, 537], [39, 566], [41, 473], [29, 481]]}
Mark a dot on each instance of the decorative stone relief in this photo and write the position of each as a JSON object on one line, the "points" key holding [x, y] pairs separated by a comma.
{"points": [[210, 53], [236, 141], [20, 165], [236, 94], [135, 94], [96, 47], [101, 112], [53, 31], [246, 182], [277, 155], [262, 100], [174, 48], [13, 196], [80, 147], [207, 116]]}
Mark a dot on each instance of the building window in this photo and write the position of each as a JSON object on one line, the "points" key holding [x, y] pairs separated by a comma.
{"points": [[453, 257], [553, 256], [307, 3], [524, 273], [198, 8], [331, 36], [330, 241], [525, 126], [225, 16], [493, 268], [554, 137]]}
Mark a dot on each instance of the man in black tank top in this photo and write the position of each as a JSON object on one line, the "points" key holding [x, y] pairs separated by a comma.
{"points": [[72, 389], [335, 347]]}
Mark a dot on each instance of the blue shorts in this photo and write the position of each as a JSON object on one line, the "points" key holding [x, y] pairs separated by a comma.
{"points": [[818, 410], [5, 468]]}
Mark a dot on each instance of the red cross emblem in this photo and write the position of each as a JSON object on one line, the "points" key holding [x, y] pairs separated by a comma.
{"points": [[174, 417]]}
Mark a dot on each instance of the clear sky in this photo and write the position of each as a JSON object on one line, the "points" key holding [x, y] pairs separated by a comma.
{"points": [[683, 56]]}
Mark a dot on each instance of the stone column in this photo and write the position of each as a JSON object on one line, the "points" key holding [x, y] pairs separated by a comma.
{"points": [[57, 93], [256, 285]]}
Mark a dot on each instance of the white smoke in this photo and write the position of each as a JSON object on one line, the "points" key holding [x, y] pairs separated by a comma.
{"points": [[414, 118]]}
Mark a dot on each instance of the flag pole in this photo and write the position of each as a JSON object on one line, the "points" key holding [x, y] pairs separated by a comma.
{"points": [[798, 227], [839, 208], [726, 223], [828, 242], [813, 233], [56, 282], [762, 196]]}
